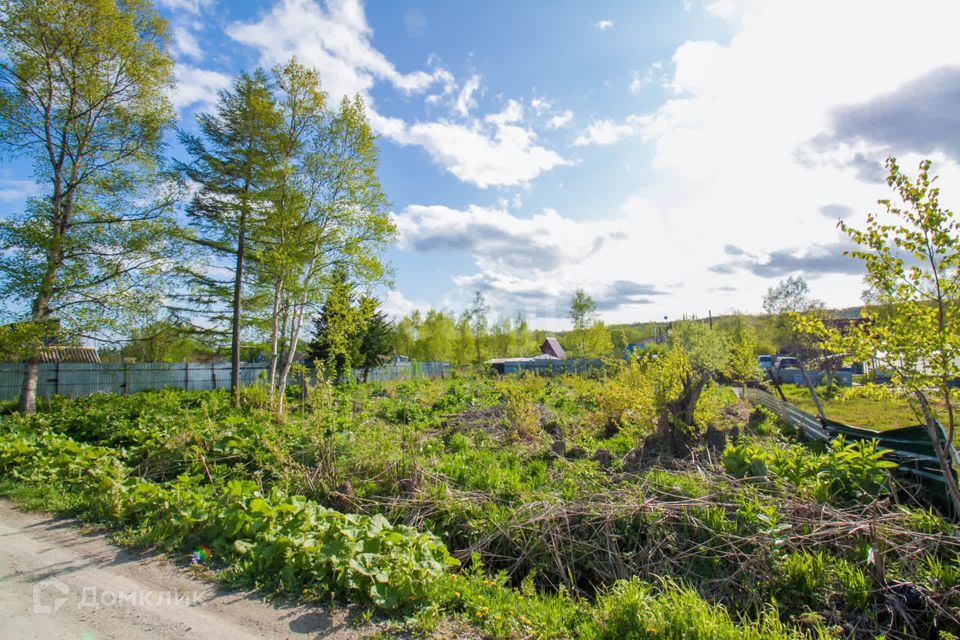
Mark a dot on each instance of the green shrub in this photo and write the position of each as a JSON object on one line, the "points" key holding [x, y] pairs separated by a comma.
{"points": [[634, 610]]}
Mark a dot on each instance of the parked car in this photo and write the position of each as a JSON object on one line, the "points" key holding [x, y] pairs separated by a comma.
{"points": [[786, 362], [765, 362], [781, 364]]}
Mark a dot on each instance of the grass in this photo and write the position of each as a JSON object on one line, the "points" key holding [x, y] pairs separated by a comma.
{"points": [[868, 406], [568, 514], [879, 413]]}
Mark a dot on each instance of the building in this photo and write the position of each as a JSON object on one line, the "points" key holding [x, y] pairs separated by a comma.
{"points": [[551, 347], [551, 353]]}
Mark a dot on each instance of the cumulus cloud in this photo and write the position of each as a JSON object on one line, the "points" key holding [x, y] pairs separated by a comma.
{"points": [[395, 306], [534, 264], [811, 262], [725, 141], [639, 81], [500, 240], [184, 43], [197, 86], [560, 120], [607, 131], [494, 152], [335, 39], [465, 100], [919, 116], [539, 105]]}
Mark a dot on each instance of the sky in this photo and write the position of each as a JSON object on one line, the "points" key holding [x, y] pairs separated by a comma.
{"points": [[670, 157]]}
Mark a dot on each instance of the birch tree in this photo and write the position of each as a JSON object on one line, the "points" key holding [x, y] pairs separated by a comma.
{"points": [[83, 87], [911, 252], [329, 205]]}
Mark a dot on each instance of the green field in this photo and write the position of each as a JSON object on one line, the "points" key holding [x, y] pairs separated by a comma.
{"points": [[878, 410], [880, 414], [518, 508]]}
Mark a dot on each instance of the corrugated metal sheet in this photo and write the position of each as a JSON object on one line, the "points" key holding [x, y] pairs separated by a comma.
{"points": [[88, 355], [910, 447], [79, 379]]}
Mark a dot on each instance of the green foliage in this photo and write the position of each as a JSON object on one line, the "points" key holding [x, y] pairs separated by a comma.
{"points": [[844, 472], [83, 94], [340, 328], [164, 341], [553, 530], [589, 337], [911, 253], [635, 610], [271, 540]]}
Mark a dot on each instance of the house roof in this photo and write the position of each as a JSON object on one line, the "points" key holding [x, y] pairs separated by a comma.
{"points": [[551, 347], [88, 355]]}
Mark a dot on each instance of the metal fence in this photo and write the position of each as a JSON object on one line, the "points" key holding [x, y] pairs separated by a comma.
{"points": [[80, 379], [405, 371], [910, 447]]}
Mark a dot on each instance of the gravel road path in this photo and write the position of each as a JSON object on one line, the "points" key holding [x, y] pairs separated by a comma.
{"points": [[58, 582]]}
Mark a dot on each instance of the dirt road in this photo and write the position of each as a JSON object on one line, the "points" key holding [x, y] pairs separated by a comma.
{"points": [[57, 582]]}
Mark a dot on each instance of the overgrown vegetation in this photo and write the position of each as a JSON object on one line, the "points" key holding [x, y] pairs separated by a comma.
{"points": [[569, 514]]}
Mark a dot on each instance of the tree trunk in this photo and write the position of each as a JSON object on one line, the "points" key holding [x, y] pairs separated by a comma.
{"points": [[943, 455], [62, 207], [275, 338], [28, 390], [235, 328], [296, 323]]}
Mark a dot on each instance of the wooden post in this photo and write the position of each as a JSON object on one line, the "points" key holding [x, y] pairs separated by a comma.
{"points": [[213, 375], [186, 376], [56, 379]]}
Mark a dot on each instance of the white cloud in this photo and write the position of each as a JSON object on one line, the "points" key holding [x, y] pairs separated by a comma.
{"points": [[539, 105], [185, 43], [607, 131], [395, 306], [14, 190], [512, 112], [560, 120], [197, 86], [335, 39], [465, 101], [744, 111], [534, 264], [189, 6], [497, 152], [639, 81], [734, 173], [604, 25]]}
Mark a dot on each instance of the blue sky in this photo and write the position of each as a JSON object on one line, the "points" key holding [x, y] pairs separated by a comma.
{"points": [[670, 157]]}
